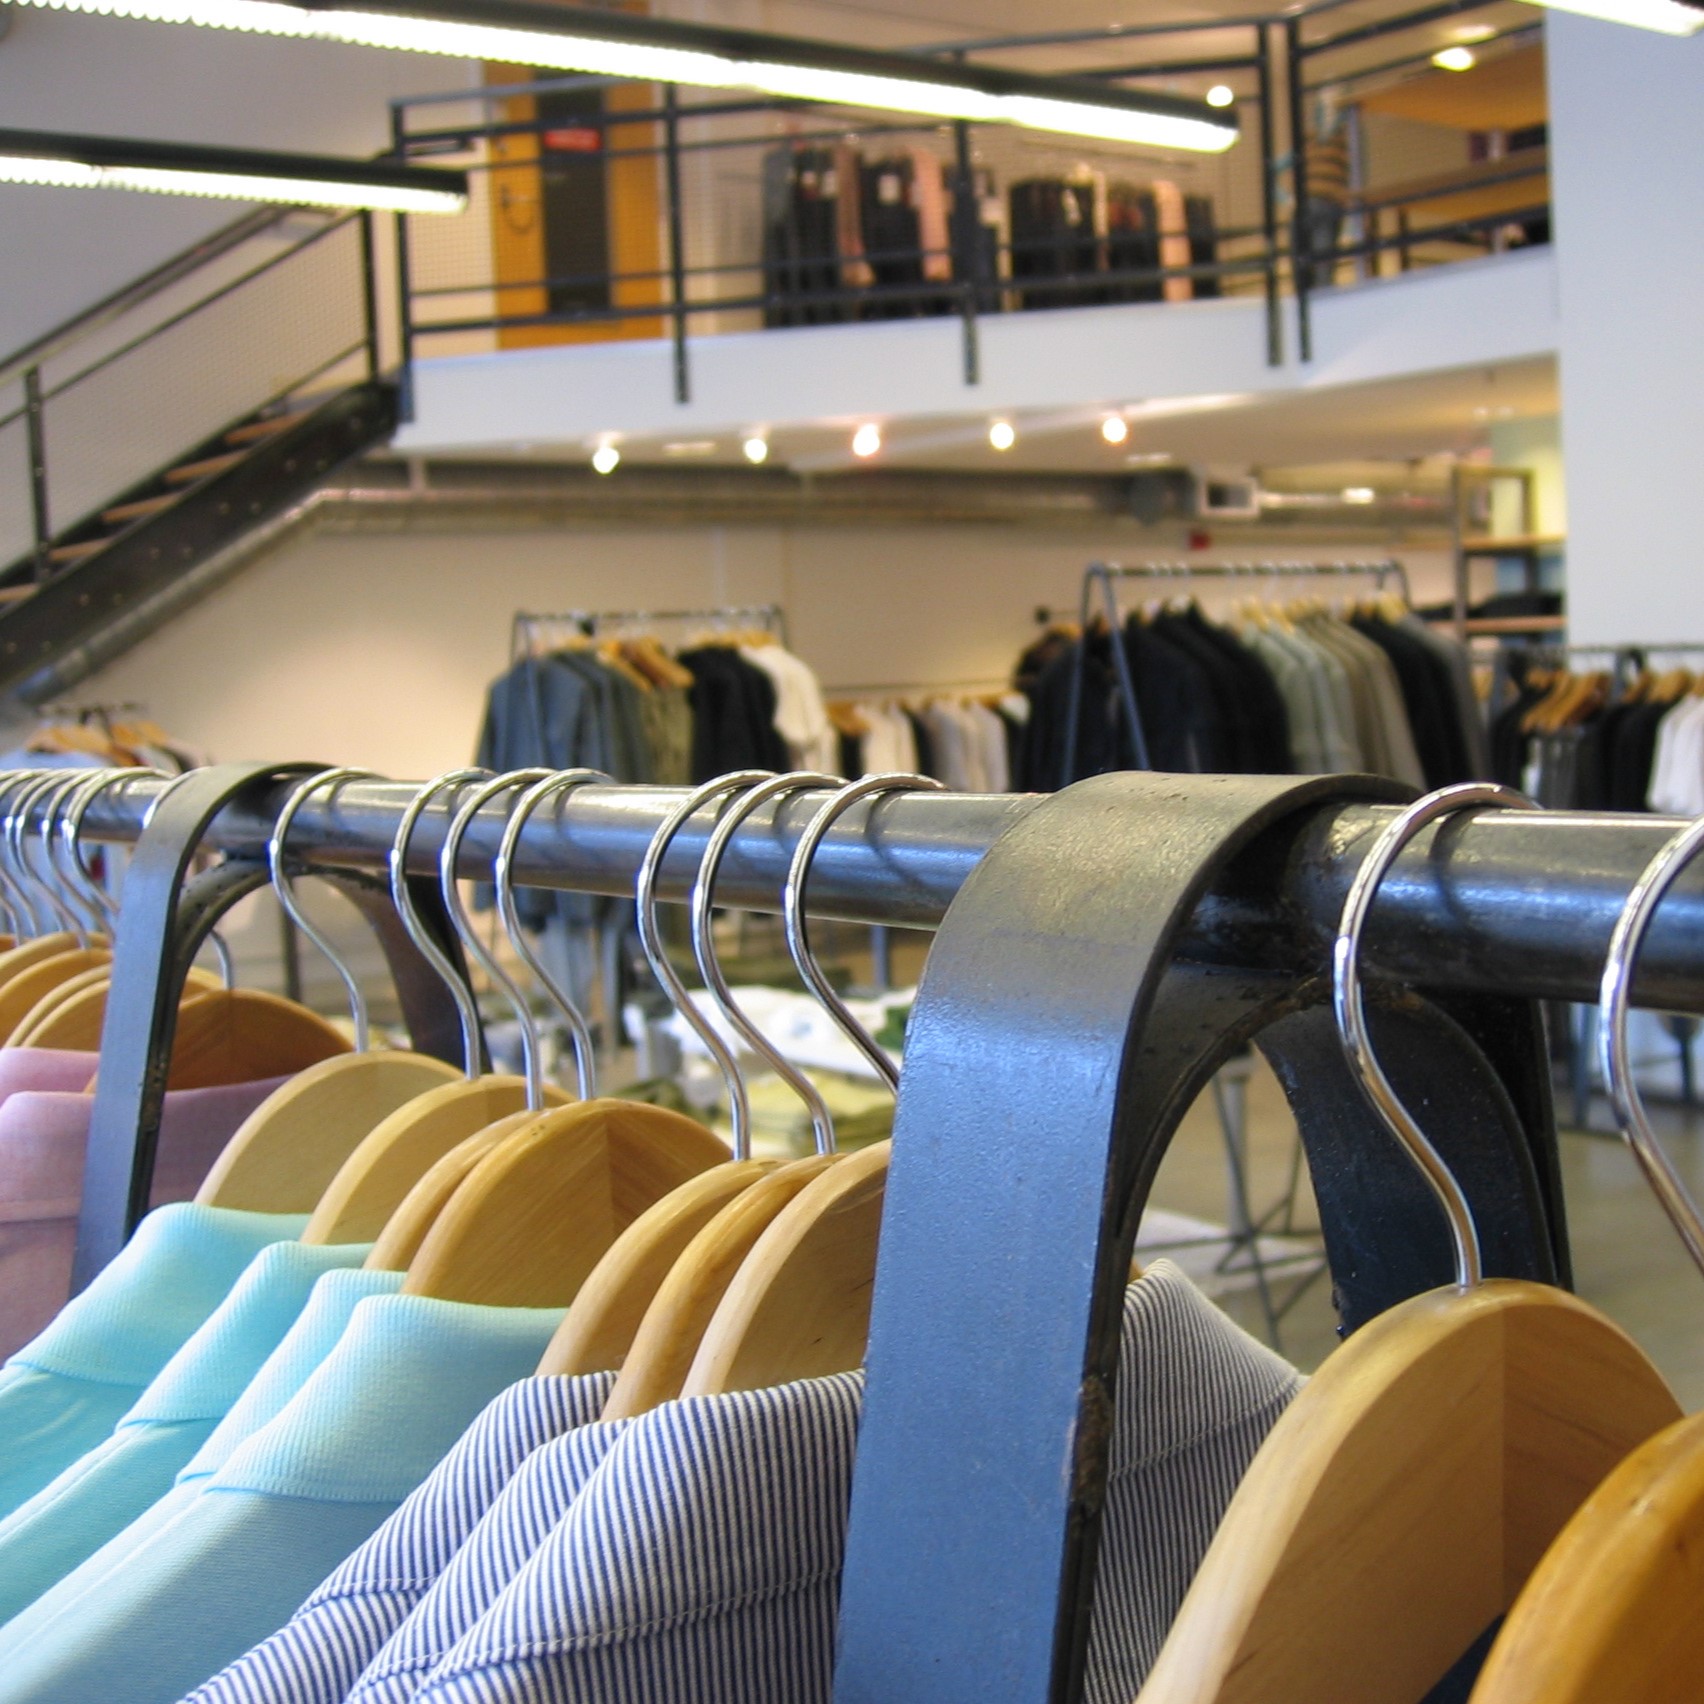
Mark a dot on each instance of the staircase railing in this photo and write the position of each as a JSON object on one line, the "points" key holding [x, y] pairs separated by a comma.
{"points": [[279, 303]]}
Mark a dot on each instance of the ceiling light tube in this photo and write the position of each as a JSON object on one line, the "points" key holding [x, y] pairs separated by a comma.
{"points": [[1670, 17], [619, 44], [238, 174]]}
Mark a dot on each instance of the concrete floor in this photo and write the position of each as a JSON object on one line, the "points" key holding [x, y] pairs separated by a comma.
{"points": [[1628, 1260]]}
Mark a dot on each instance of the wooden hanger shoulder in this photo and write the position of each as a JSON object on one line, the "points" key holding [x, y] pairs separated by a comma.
{"points": [[1612, 1613], [674, 1324], [395, 1247], [26, 1033], [1405, 1495], [288, 1151], [22, 993], [799, 1306], [38, 948], [534, 1216], [75, 1022], [599, 1328], [244, 1035], [405, 1138]]}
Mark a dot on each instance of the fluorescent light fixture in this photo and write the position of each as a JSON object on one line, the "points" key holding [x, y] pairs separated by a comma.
{"points": [[1669, 17], [1359, 494], [606, 458], [866, 441], [1220, 95], [1454, 59], [756, 450], [1115, 429], [690, 447], [234, 174], [1002, 434], [662, 50], [1474, 32]]}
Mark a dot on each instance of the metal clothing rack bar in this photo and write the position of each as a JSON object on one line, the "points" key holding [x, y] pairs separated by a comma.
{"points": [[587, 623], [1517, 902]]}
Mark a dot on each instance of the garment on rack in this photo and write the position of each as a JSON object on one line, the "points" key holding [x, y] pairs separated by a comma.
{"points": [[1174, 241], [406, 1379], [733, 714], [62, 1393], [802, 189], [800, 716], [604, 1609], [332, 1641], [100, 1493], [43, 1143], [1133, 242]]}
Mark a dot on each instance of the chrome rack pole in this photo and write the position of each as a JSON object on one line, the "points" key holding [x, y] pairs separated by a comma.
{"points": [[1517, 902]]}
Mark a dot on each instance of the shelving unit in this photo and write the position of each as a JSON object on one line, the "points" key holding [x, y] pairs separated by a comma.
{"points": [[1467, 483]]}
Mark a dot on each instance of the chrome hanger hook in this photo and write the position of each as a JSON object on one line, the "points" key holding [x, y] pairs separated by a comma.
{"points": [[1615, 995], [467, 1009], [651, 938], [17, 826], [71, 832], [69, 899], [448, 858], [285, 888], [1350, 1006], [710, 967], [503, 879], [793, 909]]}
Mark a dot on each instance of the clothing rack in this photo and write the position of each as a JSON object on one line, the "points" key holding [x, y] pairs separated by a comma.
{"points": [[1104, 574], [1118, 942], [588, 623]]}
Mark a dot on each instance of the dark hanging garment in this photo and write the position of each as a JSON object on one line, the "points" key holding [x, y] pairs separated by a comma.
{"points": [[801, 243], [1428, 699], [893, 237], [1203, 242], [1053, 243], [925, 745], [1132, 243]]}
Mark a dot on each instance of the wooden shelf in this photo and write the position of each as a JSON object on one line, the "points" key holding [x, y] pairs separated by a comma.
{"points": [[1519, 624], [1516, 544]]}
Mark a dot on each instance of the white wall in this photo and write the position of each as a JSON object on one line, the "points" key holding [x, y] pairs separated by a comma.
{"points": [[376, 649], [1627, 176], [63, 249]]}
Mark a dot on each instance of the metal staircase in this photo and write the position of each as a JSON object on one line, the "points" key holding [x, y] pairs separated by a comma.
{"points": [[155, 429]]}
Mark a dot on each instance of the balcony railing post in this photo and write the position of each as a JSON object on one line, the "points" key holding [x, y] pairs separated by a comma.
{"points": [[1301, 241], [677, 239], [1269, 199], [36, 436], [966, 221], [370, 296], [404, 323]]}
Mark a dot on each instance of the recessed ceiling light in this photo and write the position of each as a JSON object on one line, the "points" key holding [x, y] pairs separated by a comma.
{"points": [[1455, 59], [1359, 494], [1150, 458], [756, 450], [606, 458], [1002, 434], [1115, 429], [867, 440], [1474, 32], [1220, 95]]}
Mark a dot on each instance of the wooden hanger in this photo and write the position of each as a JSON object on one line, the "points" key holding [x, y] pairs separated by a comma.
{"points": [[397, 1243], [598, 1331], [667, 1339], [1397, 1507], [22, 993], [1611, 1614], [224, 1035], [24, 1034], [533, 1217], [346, 1140], [799, 1306]]}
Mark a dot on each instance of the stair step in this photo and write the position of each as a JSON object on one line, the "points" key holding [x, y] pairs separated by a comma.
{"points": [[255, 430], [192, 473], [76, 552], [125, 513], [14, 594]]}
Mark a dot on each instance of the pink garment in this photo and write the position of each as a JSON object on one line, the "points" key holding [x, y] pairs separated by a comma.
{"points": [[43, 1134], [45, 1068], [1174, 240]]}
